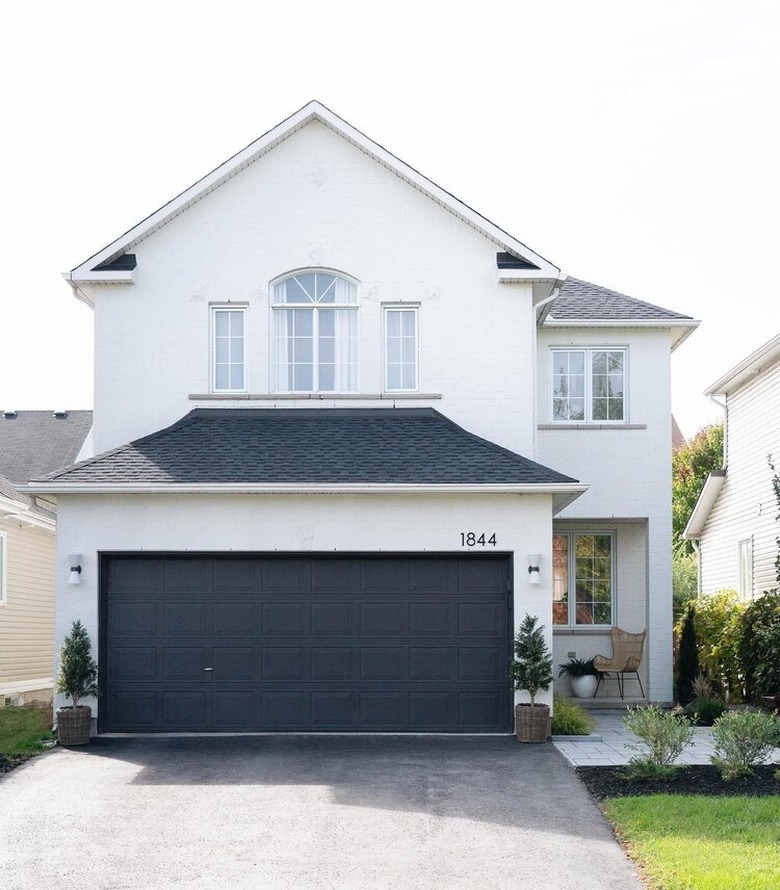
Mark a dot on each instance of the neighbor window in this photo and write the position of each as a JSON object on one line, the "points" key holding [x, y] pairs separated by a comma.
{"points": [[588, 385], [401, 349], [227, 349], [745, 556], [583, 579], [314, 333], [2, 569]]}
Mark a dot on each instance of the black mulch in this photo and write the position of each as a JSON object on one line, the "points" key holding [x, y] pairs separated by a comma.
{"points": [[10, 761], [609, 781]]}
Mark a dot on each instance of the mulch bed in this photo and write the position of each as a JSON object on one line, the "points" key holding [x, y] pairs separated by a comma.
{"points": [[608, 781]]}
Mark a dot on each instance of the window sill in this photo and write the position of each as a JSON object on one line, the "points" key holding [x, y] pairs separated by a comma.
{"points": [[587, 629], [592, 426], [311, 396]]}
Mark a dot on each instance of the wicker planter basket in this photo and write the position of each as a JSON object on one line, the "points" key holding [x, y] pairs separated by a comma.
{"points": [[73, 725], [532, 723]]}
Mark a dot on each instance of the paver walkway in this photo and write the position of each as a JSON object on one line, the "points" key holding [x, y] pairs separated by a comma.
{"points": [[609, 744]]}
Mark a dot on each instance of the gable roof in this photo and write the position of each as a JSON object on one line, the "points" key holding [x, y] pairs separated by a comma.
{"points": [[583, 303], [758, 361], [36, 442], [311, 449], [108, 265]]}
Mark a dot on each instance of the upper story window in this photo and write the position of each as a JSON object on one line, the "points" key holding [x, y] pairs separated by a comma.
{"points": [[314, 330], [588, 385], [401, 350], [583, 579], [228, 325]]}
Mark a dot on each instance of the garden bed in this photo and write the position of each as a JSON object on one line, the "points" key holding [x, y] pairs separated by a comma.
{"points": [[608, 781]]}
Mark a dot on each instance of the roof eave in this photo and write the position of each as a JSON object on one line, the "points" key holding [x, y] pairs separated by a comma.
{"points": [[683, 327], [704, 504], [311, 111], [747, 369]]}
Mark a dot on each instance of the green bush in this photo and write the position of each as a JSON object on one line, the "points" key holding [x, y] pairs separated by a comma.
{"points": [[742, 740], [570, 719], [705, 711], [685, 581], [688, 660], [664, 734], [759, 645]]}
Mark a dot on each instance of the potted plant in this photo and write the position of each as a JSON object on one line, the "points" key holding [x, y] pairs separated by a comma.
{"points": [[531, 670], [77, 679], [583, 676]]}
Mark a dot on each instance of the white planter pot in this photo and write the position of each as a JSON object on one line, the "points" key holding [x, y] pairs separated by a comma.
{"points": [[584, 687]]}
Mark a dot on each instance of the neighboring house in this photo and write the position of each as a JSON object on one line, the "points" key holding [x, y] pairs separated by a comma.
{"points": [[347, 433], [734, 523], [31, 443]]}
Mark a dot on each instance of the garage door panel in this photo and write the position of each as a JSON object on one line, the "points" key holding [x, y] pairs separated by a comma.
{"points": [[325, 643], [333, 663], [285, 663]]}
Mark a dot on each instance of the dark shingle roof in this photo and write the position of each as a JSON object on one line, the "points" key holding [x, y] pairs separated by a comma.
{"points": [[582, 300], [311, 446], [36, 442]]}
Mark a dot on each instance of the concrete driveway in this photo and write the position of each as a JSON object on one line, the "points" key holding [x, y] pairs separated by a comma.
{"points": [[305, 812]]}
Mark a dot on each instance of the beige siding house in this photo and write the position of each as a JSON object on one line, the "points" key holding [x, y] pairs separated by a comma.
{"points": [[30, 441], [734, 524]]}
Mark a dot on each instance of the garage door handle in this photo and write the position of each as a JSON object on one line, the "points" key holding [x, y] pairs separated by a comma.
{"points": [[208, 669]]}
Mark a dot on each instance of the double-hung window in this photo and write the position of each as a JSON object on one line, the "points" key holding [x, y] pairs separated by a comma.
{"points": [[401, 351], [583, 579], [314, 333], [745, 560], [228, 325], [589, 385]]}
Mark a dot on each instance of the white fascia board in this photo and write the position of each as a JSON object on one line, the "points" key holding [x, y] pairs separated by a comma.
{"points": [[515, 276], [706, 501], [69, 488], [21, 514], [118, 276], [682, 327], [312, 111], [747, 369]]}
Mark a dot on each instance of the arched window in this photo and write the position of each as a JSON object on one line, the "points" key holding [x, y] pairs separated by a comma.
{"points": [[314, 333]]}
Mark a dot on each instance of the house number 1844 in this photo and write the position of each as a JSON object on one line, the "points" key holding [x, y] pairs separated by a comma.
{"points": [[472, 539]]}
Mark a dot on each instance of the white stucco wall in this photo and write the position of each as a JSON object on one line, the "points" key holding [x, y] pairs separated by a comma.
{"points": [[299, 524], [628, 468], [315, 201]]}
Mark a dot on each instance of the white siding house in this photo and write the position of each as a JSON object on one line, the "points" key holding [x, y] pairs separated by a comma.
{"points": [[347, 433], [734, 524]]}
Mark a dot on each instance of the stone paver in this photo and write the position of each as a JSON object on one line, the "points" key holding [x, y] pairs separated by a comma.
{"points": [[612, 747]]}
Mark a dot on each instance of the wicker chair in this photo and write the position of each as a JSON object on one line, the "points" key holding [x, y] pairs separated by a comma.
{"points": [[626, 657]]}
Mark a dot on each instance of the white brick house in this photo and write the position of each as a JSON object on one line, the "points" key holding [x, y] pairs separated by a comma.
{"points": [[337, 414], [733, 524]]}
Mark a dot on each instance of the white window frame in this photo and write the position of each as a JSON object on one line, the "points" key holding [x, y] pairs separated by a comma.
{"points": [[571, 534], [231, 308], [588, 352], [3, 569], [278, 306], [745, 568], [415, 311]]}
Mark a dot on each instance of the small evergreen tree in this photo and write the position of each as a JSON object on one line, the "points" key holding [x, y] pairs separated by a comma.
{"points": [[532, 667], [77, 677], [688, 658]]}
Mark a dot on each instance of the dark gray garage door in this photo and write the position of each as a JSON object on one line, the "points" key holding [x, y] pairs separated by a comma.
{"points": [[311, 643]]}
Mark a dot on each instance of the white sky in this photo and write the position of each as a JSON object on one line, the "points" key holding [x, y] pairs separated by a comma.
{"points": [[634, 144]]}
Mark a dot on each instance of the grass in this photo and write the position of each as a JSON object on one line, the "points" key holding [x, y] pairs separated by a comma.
{"points": [[701, 843], [23, 730], [570, 719]]}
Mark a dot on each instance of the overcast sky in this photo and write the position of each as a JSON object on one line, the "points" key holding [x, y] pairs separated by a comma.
{"points": [[634, 144]]}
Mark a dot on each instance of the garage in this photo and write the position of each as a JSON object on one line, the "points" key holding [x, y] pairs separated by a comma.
{"points": [[305, 643]]}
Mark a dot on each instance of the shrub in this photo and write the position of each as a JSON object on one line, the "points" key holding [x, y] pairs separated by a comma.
{"points": [[78, 671], [570, 719], [718, 622], [705, 711], [531, 669], [685, 581], [638, 770], [759, 643], [578, 667], [742, 740], [664, 734], [688, 661]]}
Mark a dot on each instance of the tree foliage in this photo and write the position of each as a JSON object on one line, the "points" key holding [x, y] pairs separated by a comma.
{"points": [[691, 464], [688, 669]]}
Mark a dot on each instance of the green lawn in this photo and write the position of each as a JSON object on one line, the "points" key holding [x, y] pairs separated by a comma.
{"points": [[22, 730], [701, 843]]}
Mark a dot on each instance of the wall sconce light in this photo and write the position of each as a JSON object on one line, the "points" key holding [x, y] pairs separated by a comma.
{"points": [[534, 575], [75, 568]]}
